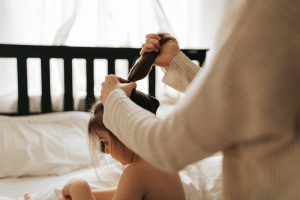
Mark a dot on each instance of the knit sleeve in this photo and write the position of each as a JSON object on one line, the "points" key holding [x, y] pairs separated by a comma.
{"points": [[180, 72], [249, 93]]}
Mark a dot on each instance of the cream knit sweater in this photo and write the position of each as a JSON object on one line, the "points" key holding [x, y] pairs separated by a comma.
{"points": [[245, 103]]}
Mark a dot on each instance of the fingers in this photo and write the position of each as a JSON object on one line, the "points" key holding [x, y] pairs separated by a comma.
{"points": [[114, 78], [127, 88], [114, 82], [27, 196], [131, 86], [152, 44], [153, 35], [111, 82], [122, 80], [153, 41], [110, 77], [148, 47]]}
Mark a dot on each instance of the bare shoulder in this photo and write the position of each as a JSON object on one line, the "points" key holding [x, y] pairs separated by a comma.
{"points": [[149, 183], [160, 184], [133, 170], [138, 174], [131, 185]]}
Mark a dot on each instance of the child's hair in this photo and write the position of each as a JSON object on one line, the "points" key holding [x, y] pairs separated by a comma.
{"points": [[140, 70], [96, 121], [144, 64]]}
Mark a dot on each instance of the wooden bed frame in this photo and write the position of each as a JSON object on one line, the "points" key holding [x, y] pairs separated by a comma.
{"points": [[67, 53]]}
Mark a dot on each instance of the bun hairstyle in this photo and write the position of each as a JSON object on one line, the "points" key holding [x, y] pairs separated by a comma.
{"points": [[139, 71]]}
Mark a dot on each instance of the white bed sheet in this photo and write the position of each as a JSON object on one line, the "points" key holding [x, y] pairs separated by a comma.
{"points": [[202, 180], [46, 187]]}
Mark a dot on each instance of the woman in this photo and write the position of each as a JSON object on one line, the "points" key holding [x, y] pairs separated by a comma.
{"points": [[245, 103]]}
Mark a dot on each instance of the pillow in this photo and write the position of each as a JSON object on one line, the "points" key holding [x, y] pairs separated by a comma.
{"points": [[47, 144]]}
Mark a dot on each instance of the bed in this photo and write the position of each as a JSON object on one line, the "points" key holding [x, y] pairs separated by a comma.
{"points": [[42, 148]]}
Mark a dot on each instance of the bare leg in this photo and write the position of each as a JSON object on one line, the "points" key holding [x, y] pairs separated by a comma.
{"points": [[27, 197], [78, 190]]}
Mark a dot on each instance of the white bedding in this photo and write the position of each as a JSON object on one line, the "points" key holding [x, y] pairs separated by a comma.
{"points": [[49, 144], [46, 187], [201, 181]]}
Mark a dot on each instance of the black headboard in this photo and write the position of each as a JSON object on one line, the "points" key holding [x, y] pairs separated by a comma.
{"points": [[45, 53]]}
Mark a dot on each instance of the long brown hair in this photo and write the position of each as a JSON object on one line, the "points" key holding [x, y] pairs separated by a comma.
{"points": [[96, 121], [140, 70]]}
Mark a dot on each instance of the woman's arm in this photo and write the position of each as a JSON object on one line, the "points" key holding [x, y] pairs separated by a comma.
{"points": [[247, 94], [180, 73], [179, 69]]}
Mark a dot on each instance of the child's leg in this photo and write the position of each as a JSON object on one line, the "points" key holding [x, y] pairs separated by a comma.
{"points": [[78, 190], [27, 197]]}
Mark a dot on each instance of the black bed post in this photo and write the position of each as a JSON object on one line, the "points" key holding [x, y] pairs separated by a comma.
{"points": [[68, 80], [46, 94], [111, 66], [90, 96], [23, 100]]}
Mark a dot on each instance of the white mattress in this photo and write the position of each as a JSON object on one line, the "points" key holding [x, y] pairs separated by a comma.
{"points": [[201, 180]]}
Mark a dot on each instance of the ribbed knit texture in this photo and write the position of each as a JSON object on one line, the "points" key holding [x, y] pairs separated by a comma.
{"points": [[183, 68], [246, 103]]}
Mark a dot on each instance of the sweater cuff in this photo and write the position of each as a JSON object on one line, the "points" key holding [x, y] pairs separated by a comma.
{"points": [[110, 104], [180, 72]]}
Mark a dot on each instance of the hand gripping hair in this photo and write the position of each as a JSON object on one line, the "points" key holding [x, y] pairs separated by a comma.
{"points": [[139, 71]]}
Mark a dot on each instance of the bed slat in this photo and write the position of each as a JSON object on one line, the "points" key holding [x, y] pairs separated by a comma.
{"points": [[46, 96], [23, 100], [90, 96], [67, 53], [111, 66], [68, 80]]}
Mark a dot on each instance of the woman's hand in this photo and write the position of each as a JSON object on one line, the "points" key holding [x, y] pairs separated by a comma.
{"points": [[113, 82], [167, 52]]}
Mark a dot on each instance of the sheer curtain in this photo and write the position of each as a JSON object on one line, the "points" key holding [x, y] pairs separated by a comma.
{"points": [[111, 23]]}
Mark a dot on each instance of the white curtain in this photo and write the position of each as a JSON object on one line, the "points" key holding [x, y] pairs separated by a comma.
{"points": [[111, 23]]}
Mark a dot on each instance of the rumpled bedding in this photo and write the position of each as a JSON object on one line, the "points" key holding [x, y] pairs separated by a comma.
{"points": [[201, 180]]}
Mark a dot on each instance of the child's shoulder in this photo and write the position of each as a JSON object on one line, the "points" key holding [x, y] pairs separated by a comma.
{"points": [[137, 167], [142, 168], [132, 177]]}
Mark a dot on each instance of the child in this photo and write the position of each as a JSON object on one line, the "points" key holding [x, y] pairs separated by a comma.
{"points": [[139, 180]]}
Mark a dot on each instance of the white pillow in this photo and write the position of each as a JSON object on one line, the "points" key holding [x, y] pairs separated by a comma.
{"points": [[47, 144]]}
